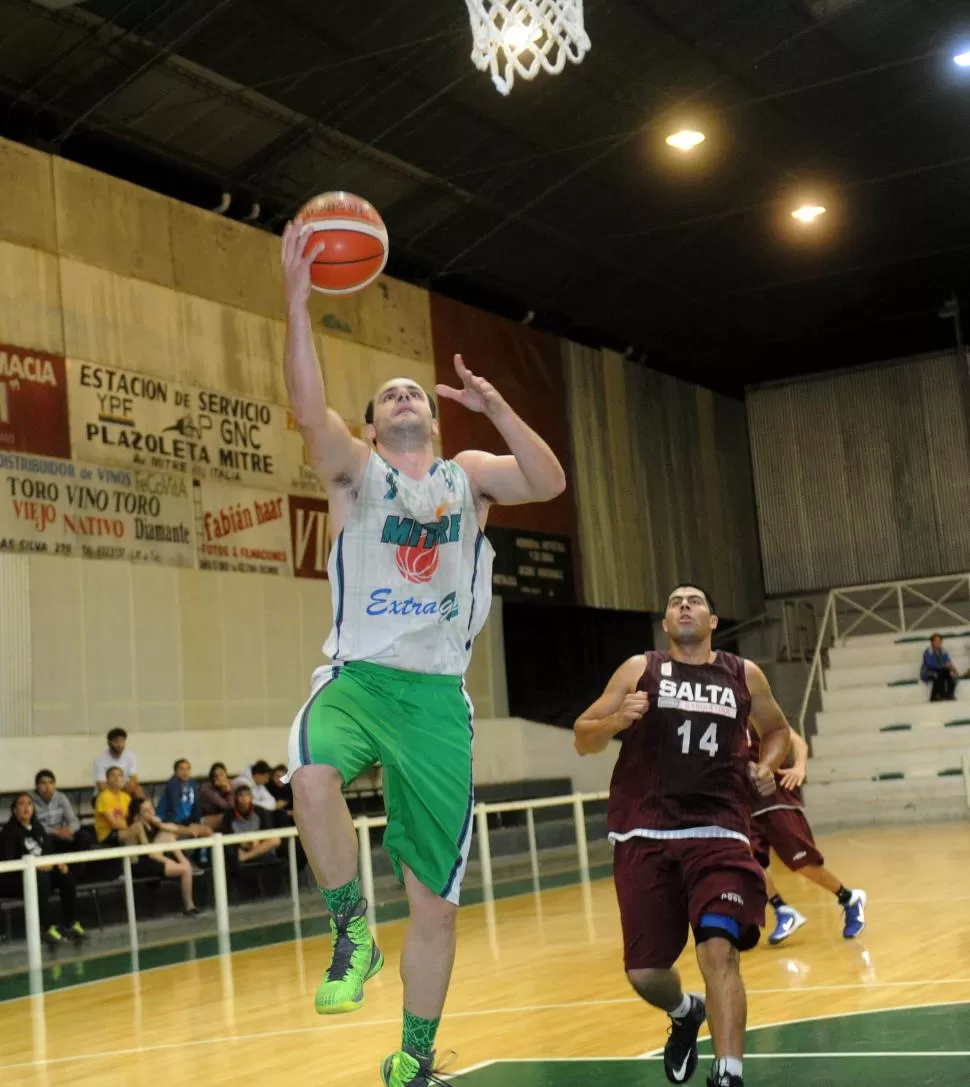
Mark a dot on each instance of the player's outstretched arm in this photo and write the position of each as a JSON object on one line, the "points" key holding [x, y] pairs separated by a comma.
{"points": [[531, 474], [617, 707], [771, 725], [338, 458]]}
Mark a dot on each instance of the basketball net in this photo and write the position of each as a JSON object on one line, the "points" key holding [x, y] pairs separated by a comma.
{"points": [[524, 37]]}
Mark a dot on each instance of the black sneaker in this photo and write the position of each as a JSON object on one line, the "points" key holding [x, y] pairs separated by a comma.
{"points": [[723, 1080], [680, 1052]]}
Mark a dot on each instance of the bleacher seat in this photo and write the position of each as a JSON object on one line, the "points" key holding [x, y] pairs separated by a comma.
{"points": [[882, 751]]}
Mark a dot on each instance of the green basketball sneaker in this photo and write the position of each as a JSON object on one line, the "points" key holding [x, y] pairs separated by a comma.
{"points": [[355, 958], [409, 1069]]}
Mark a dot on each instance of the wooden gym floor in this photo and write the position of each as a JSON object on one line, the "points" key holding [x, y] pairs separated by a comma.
{"points": [[539, 997]]}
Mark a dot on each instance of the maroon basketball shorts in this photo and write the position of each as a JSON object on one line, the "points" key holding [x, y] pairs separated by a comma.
{"points": [[787, 832], [666, 886]]}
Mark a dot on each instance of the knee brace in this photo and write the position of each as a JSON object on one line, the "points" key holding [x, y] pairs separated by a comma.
{"points": [[717, 925]]}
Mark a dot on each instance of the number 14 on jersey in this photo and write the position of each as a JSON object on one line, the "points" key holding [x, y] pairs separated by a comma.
{"points": [[707, 742]]}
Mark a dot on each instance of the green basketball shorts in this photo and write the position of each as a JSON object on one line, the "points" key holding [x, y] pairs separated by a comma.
{"points": [[419, 728]]}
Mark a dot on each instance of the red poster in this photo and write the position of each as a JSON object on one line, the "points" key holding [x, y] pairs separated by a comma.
{"points": [[310, 532], [33, 403]]}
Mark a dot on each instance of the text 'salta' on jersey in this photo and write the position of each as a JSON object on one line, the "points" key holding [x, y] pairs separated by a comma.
{"points": [[411, 572], [682, 768]]}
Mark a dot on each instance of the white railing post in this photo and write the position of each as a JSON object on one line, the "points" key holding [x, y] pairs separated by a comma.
{"points": [[32, 924], [966, 778], [530, 826], [785, 633], [582, 848], [484, 851], [816, 669], [220, 890], [130, 910], [366, 865], [835, 617], [902, 608], [294, 874]]}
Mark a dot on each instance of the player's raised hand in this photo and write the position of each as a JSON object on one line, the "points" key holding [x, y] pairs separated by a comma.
{"points": [[476, 393], [762, 778], [633, 707], [792, 777], [296, 265]]}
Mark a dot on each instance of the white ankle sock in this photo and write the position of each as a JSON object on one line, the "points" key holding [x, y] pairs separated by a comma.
{"points": [[682, 1008], [729, 1066]]}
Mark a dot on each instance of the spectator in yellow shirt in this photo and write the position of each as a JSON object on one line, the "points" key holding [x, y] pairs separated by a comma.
{"points": [[111, 812]]}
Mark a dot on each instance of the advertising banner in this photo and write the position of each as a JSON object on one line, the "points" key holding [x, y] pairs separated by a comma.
{"points": [[60, 507], [119, 417], [300, 477], [33, 403], [310, 533], [242, 530]]}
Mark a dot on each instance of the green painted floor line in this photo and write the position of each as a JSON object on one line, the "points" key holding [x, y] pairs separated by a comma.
{"points": [[15, 985], [894, 1047], [899, 1072]]}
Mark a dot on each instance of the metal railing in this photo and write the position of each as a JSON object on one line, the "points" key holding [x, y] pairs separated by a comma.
{"points": [[892, 619], [217, 843], [795, 621], [966, 778]]}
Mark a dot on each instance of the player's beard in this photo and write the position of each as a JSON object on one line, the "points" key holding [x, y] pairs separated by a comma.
{"points": [[406, 435], [688, 635]]}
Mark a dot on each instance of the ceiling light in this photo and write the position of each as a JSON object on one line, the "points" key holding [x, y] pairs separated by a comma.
{"points": [[686, 139], [962, 60], [808, 213]]}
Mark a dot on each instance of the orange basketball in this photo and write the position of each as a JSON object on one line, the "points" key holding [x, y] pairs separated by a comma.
{"points": [[349, 239]]}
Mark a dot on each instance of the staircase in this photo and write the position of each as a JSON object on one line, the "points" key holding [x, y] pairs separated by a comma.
{"points": [[881, 751]]}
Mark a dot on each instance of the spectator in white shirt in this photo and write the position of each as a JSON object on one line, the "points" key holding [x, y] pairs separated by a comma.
{"points": [[117, 755], [257, 778]]}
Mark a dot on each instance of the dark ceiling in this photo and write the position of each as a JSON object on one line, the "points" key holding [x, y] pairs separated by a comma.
{"points": [[562, 198]]}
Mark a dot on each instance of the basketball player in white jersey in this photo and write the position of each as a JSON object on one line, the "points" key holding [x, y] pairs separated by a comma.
{"points": [[410, 574]]}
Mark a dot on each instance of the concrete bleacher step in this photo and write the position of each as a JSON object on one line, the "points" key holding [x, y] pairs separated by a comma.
{"points": [[868, 803], [831, 745], [851, 655], [875, 718], [877, 675], [872, 675], [908, 692], [882, 762], [909, 637]]}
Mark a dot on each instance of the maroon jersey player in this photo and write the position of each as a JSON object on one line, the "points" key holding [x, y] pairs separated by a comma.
{"points": [[678, 816], [778, 822]]}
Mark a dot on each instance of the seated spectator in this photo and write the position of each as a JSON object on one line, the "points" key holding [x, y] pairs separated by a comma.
{"points": [[56, 815], [111, 812], [939, 671], [117, 755], [281, 792], [147, 827], [245, 818], [23, 835], [180, 803], [215, 796], [257, 778]]}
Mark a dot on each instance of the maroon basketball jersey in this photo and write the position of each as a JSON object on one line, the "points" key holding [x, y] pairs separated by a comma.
{"points": [[682, 771], [781, 797]]}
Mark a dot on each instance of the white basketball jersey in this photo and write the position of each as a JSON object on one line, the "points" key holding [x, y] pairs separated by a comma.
{"points": [[411, 572]]}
